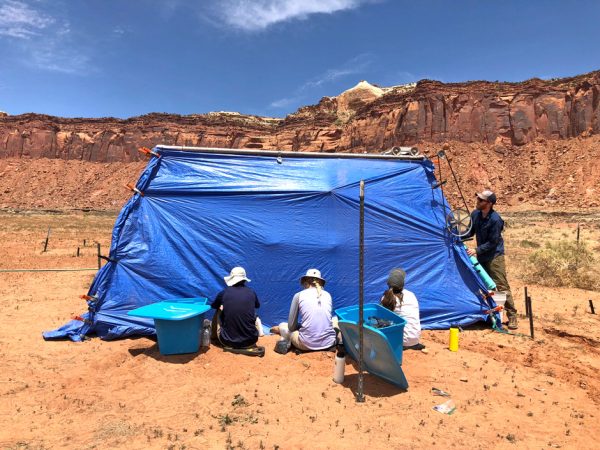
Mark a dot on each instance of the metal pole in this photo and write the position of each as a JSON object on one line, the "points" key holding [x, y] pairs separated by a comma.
{"points": [[47, 238], [99, 259], [78, 252], [361, 273], [530, 318], [592, 307], [577, 233], [526, 304]]}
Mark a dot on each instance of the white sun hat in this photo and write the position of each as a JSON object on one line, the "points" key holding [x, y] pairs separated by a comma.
{"points": [[313, 273], [236, 275]]}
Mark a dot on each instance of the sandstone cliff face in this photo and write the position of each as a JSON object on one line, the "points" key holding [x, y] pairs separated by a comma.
{"points": [[364, 118], [536, 143]]}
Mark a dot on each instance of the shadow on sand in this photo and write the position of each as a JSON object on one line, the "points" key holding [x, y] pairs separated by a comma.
{"points": [[153, 352]]}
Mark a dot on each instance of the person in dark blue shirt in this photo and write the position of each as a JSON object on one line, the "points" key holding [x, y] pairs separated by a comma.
{"points": [[236, 311], [487, 226]]}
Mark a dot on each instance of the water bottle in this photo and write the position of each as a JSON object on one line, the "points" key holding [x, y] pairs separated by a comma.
{"points": [[205, 336], [339, 367], [453, 343]]}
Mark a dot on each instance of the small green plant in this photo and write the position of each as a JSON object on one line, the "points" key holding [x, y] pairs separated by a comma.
{"points": [[239, 400], [225, 420]]}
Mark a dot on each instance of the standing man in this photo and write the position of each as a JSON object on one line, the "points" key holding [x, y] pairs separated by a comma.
{"points": [[487, 226]]}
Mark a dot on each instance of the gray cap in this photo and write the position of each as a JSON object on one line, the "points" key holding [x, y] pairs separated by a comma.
{"points": [[487, 195], [396, 279]]}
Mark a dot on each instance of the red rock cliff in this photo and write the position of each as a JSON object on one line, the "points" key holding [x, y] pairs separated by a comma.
{"points": [[364, 118], [536, 143]]}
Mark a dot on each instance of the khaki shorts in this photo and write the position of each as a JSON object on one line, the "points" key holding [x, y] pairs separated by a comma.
{"points": [[295, 339]]}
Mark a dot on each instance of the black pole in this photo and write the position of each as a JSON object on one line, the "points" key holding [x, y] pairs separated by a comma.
{"points": [[526, 304], [47, 238], [577, 252], [78, 252], [592, 307], [361, 273], [99, 259], [530, 318], [84, 242]]}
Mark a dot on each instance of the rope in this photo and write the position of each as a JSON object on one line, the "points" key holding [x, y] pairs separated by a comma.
{"points": [[47, 270], [457, 185], [502, 330]]}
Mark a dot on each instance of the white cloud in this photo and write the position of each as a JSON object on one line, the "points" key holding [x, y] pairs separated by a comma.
{"points": [[18, 20], [52, 56], [254, 15], [285, 102], [40, 40], [354, 66]]}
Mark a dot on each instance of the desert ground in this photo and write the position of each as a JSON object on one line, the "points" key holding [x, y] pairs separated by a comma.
{"points": [[509, 391]]}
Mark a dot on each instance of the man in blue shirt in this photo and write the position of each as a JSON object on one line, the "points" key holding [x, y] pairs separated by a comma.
{"points": [[487, 226], [238, 313]]}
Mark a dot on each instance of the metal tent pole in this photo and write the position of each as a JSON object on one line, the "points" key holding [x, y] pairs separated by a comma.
{"points": [[361, 276]]}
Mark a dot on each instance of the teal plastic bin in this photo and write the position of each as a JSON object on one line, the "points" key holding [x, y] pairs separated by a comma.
{"points": [[394, 333], [382, 350], [177, 322]]}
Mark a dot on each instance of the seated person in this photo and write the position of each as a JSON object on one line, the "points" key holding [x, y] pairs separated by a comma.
{"points": [[309, 325], [405, 304], [236, 313]]}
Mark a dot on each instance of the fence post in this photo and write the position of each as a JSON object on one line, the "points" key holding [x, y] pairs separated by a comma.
{"points": [[530, 318], [47, 238]]}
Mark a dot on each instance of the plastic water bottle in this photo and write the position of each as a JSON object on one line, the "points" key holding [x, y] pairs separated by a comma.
{"points": [[205, 336], [339, 367], [453, 343]]}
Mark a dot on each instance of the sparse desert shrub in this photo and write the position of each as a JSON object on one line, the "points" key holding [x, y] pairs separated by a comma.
{"points": [[562, 263], [525, 243]]}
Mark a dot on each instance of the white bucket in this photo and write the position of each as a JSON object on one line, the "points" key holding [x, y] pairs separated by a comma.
{"points": [[500, 299]]}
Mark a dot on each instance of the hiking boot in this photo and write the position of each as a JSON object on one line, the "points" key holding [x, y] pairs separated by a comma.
{"points": [[512, 323]]}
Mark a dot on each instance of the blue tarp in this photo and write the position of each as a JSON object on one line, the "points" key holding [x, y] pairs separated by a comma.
{"points": [[201, 213]]}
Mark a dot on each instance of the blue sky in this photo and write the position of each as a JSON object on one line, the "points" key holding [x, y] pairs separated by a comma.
{"points": [[122, 58]]}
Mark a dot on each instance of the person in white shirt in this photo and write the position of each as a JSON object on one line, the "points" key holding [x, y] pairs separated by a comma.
{"points": [[404, 303]]}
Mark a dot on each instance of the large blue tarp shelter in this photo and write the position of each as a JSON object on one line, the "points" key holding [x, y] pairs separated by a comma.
{"points": [[197, 213]]}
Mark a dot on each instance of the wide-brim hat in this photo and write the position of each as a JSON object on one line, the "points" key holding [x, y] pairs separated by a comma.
{"points": [[236, 275], [313, 273]]}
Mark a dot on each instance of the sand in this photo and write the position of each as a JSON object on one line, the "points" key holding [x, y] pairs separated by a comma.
{"points": [[509, 391]]}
